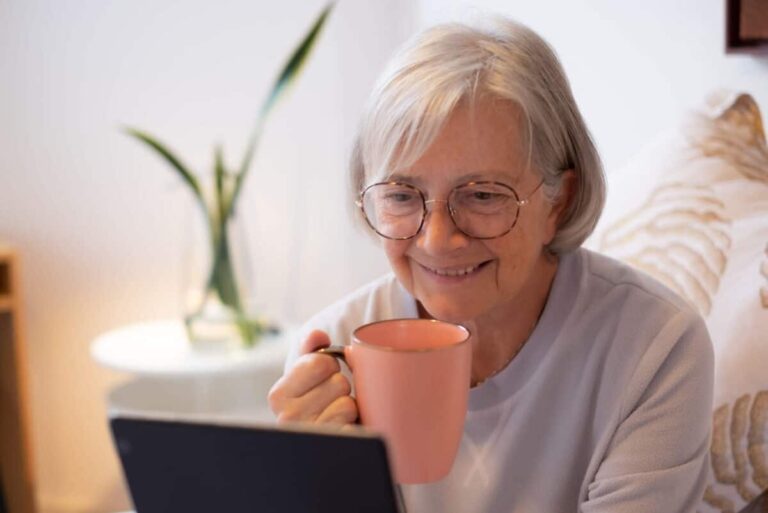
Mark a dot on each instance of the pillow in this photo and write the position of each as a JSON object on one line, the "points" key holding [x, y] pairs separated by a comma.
{"points": [[692, 211]]}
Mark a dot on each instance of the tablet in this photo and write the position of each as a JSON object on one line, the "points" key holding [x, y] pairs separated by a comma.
{"points": [[194, 466]]}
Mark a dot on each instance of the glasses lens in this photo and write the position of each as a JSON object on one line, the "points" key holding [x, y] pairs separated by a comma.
{"points": [[484, 210], [393, 210]]}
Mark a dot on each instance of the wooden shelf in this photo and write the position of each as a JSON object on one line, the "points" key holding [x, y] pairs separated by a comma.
{"points": [[6, 303], [16, 472], [5, 277]]}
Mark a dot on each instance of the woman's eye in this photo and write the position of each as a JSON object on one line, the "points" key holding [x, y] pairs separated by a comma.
{"points": [[399, 197], [481, 195]]}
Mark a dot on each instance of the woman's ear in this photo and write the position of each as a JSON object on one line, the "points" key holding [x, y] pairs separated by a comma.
{"points": [[560, 205]]}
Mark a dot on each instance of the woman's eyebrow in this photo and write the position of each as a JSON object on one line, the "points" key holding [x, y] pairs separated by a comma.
{"points": [[496, 176], [396, 177], [505, 177]]}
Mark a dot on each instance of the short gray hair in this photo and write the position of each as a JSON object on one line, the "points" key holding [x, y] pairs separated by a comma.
{"points": [[447, 63]]}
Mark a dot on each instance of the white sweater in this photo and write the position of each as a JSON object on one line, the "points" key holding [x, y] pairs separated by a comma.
{"points": [[605, 409]]}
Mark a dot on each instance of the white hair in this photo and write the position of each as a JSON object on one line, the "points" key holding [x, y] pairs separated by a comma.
{"points": [[445, 64]]}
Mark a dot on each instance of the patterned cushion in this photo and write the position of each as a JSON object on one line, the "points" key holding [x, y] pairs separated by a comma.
{"points": [[692, 211]]}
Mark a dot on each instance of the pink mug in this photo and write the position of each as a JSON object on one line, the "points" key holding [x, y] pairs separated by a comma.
{"points": [[412, 380]]}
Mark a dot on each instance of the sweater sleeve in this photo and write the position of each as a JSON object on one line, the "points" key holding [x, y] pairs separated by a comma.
{"points": [[657, 458]]}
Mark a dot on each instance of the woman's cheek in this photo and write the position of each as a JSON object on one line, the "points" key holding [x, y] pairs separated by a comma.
{"points": [[395, 251]]}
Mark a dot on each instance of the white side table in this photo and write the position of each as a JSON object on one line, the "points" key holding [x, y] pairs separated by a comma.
{"points": [[171, 376]]}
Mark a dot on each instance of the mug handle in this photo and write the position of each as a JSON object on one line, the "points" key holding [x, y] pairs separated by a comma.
{"points": [[335, 351]]}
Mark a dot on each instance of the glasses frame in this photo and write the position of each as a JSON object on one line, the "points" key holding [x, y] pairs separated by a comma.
{"points": [[451, 212]]}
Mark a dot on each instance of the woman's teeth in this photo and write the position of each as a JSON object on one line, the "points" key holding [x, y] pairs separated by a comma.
{"points": [[456, 272]]}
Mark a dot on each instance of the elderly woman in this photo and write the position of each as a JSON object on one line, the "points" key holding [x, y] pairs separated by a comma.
{"points": [[591, 383]]}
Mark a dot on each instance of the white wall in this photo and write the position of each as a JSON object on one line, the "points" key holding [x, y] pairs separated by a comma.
{"points": [[635, 67], [101, 223]]}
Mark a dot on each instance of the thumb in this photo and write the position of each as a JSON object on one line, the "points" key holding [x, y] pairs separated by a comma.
{"points": [[314, 341]]}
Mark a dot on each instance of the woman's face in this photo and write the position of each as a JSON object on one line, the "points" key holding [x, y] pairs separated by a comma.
{"points": [[479, 143]]}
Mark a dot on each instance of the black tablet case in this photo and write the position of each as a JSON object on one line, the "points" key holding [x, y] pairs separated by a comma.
{"points": [[179, 467]]}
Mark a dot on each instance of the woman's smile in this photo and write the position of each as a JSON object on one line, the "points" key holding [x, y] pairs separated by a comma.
{"points": [[453, 274]]}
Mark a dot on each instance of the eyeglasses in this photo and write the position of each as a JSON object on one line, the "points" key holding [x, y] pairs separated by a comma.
{"points": [[481, 210]]}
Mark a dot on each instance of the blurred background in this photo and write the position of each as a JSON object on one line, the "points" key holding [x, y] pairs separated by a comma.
{"points": [[101, 224]]}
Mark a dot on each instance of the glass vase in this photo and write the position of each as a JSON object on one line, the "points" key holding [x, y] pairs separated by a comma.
{"points": [[219, 311]]}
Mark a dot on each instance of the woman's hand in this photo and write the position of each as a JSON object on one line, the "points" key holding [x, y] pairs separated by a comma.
{"points": [[314, 390]]}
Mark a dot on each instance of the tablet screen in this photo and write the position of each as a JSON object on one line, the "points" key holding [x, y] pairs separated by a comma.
{"points": [[191, 467]]}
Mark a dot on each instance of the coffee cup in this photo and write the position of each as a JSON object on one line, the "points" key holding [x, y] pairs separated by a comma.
{"points": [[411, 379]]}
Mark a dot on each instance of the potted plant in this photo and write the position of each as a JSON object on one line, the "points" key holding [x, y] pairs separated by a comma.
{"points": [[220, 311]]}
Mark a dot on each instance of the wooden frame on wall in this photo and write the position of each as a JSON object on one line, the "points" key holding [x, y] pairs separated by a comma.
{"points": [[746, 26]]}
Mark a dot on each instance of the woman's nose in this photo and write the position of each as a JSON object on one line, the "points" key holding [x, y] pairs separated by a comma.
{"points": [[439, 233]]}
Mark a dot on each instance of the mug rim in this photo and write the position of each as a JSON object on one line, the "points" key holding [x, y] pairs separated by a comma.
{"points": [[357, 341]]}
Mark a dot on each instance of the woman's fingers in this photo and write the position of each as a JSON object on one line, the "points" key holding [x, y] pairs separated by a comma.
{"points": [[321, 400], [314, 341], [310, 406], [341, 411], [314, 389], [309, 371]]}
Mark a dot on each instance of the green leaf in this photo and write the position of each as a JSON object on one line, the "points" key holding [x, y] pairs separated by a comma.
{"points": [[249, 330], [219, 173], [169, 157], [223, 275], [296, 61], [287, 76]]}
